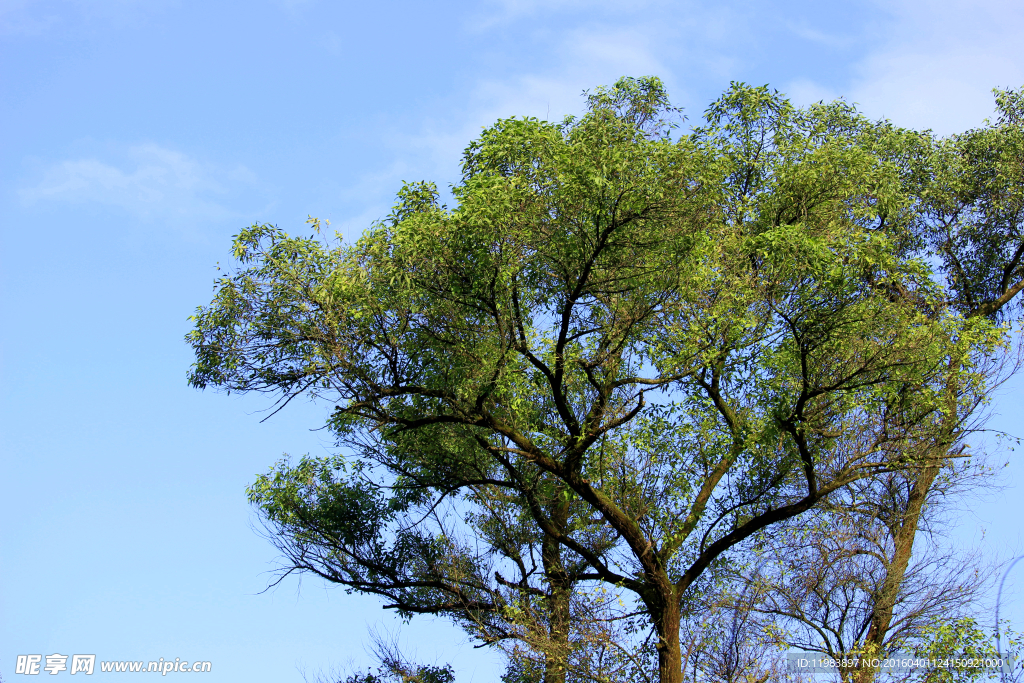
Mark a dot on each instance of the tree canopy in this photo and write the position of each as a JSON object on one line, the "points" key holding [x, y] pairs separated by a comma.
{"points": [[621, 353]]}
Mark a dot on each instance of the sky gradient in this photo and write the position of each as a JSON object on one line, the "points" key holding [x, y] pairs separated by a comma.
{"points": [[139, 136]]}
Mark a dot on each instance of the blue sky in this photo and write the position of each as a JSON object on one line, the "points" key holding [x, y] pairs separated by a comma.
{"points": [[139, 136]]}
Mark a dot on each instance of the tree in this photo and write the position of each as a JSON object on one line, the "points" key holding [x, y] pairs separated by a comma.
{"points": [[828, 574], [973, 224], [657, 347], [849, 576], [480, 564], [962, 639]]}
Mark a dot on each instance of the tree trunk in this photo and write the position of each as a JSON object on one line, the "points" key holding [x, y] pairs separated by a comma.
{"points": [[559, 592], [903, 541], [666, 622], [560, 587]]}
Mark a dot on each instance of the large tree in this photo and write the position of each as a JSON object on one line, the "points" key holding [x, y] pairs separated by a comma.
{"points": [[656, 346], [855, 578], [971, 227]]}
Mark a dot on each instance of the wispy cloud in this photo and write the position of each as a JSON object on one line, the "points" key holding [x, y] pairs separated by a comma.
{"points": [[936, 63], [582, 59], [430, 146], [807, 31], [610, 43], [151, 182], [23, 17], [37, 17], [498, 12], [804, 91]]}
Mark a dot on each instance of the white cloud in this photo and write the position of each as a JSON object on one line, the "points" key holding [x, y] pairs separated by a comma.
{"points": [[937, 63], [804, 92], [802, 29], [153, 182], [431, 149], [497, 12], [37, 17], [582, 59], [17, 17]]}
